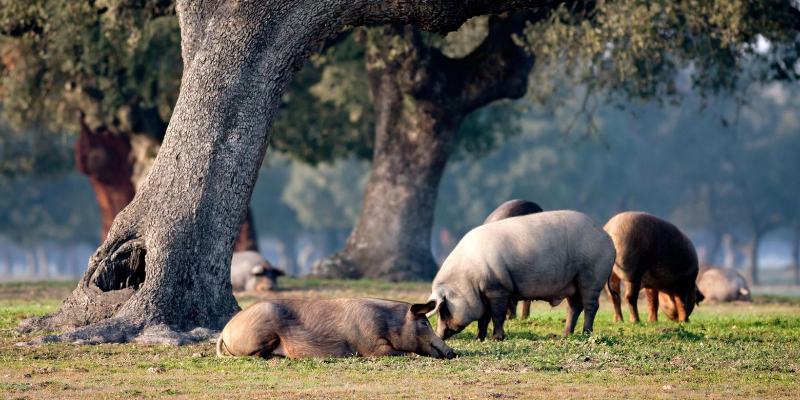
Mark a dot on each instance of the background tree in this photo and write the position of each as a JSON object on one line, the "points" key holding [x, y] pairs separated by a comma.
{"points": [[162, 275], [111, 71], [630, 50]]}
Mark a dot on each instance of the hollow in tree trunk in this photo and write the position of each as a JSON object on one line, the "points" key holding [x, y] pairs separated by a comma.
{"points": [[163, 273], [420, 98]]}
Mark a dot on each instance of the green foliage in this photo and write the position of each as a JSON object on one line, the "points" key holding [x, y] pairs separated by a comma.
{"points": [[104, 58], [638, 49], [328, 196], [675, 162]]}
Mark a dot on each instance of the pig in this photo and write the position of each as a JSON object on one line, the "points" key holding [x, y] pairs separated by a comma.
{"points": [[340, 327], [251, 271], [514, 208], [722, 284], [655, 255], [548, 256]]}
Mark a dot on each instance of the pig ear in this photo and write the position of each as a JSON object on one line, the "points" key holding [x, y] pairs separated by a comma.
{"points": [[422, 309], [700, 296], [257, 270]]}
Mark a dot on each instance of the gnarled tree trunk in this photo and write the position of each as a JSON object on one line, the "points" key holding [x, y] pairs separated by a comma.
{"points": [[420, 97], [163, 273]]}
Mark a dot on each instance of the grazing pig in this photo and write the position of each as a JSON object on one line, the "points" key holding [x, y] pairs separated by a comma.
{"points": [[548, 256], [655, 255], [514, 208], [722, 284], [342, 327], [251, 271]]}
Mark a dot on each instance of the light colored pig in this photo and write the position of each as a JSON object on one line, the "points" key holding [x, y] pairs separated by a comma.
{"points": [[251, 271], [722, 284], [343, 327], [548, 256], [509, 209]]}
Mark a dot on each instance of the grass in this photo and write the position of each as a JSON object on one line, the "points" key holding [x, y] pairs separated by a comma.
{"points": [[727, 351]]}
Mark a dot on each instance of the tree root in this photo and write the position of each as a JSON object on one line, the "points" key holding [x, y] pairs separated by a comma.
{"points": [[122, 330]]}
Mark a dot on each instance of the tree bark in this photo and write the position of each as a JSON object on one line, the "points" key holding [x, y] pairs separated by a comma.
{"points": [[163, 273], [420, 98]]}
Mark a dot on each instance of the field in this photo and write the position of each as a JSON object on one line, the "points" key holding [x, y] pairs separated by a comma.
{"points": [[727, 351]]}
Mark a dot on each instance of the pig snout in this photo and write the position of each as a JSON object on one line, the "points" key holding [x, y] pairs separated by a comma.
{"points": [[439, 349]]}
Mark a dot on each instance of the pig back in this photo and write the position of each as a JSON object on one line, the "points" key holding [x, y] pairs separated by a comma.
{"points": [[653, 249], [532, 251]]}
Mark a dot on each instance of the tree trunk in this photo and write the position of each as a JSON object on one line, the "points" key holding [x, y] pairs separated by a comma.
{"points": [[104, 157], [287, 258], [247, 239], [752, 254], [796, 254], [420, 98], [163, 273]]}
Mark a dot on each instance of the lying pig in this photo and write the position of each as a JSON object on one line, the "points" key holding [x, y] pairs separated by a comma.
{"points": [[548, 256], [251, 271], [722, 284], [655, 255], [341, 327], [514, 208]]}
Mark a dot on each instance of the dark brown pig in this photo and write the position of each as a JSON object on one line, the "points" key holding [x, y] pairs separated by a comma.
{"points": [[654, 255], [343, 327], [514, 208]]}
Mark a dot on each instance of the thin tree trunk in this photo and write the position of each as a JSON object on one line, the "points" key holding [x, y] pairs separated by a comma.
{"points": [[30, 264], [796, 254], [163, 273], [5, 263], [752, 253], [247, 239], [287, 258], [41, 262]]}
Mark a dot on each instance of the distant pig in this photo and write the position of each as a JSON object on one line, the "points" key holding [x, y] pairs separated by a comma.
{"points": [[654, 255], [341, 327], [251, 271], [548, 256], [722, 284], [514, 208]]}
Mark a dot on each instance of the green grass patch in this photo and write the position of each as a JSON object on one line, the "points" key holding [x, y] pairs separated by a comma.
{"points": [[727, 351]]}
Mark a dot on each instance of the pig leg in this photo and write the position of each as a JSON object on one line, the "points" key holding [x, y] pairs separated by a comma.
{"points": [[652, 301], [384, 348], [498, 302], [526, 309], [512, 310], [613, 290], [483, 324], [680, 304], [632, 297], [591, 303], [574, 309]]}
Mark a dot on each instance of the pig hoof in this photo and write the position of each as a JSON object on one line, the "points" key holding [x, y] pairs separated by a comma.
{"points": [[499, 338], [479, 337]]}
